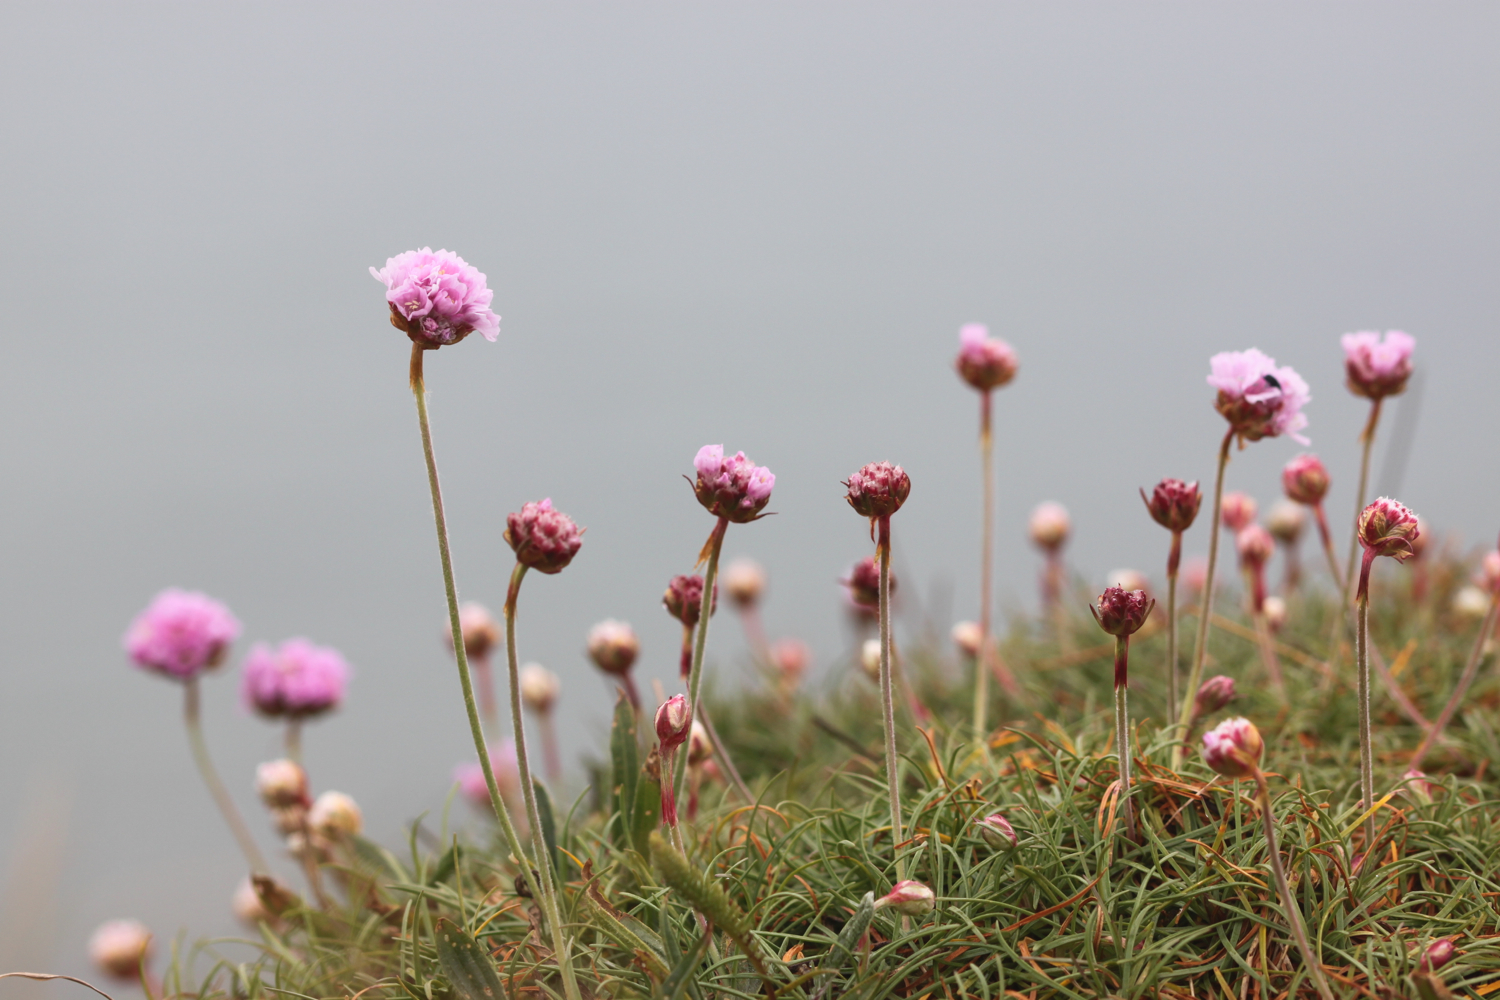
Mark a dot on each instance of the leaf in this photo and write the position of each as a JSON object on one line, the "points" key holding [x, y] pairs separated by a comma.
{"points": [[549, 822], [852, 932], [625, 757], [446, 866], [647, 811], [469, 968], [682, 976]]}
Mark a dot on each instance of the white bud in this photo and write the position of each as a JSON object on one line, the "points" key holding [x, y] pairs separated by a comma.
{"points": [[335, 815]]}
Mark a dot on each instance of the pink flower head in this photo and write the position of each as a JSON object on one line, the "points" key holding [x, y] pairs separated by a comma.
{"points": [[684, 599], [745, 581], [539, 688], [909, 898], [282, 784], [613, 646], [1376, 368], [733, 488], [1122, 612], [967, 637], [674, 721], [120, 947], [470, 776], [1388, 528], [878, 490], [863, 583], [984, 362], [181, 633], [1255, 546], [1437, 955], [1234, 748], [1286, 521], [1049, 526], [791, 658], [437, 299], [997, 831], [298, 680], [1237, 510], [1215, 693], [1174, 504], [544, 539], [481, 633], [1417, 785], [1305, 479], [1258, 398]]}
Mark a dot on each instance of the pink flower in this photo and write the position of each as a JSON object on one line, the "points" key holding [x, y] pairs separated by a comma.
{"points": [[539, 688], [1128, 579], [298, 680], [544, 539], [1049, 526], [984, 362], [1238, 510], [437, 299], [791, 657], [1305, 479], [181, 633], [120, 947], [673, 723], [1490, 568], [470, 776], [481, 633], [1122, 612], [1258, 398], [734, 488], [997, 831], [1255, 546], [1377, 368], [863, 583], [1286, 521], [684, 599], [967, 637], [1234, 748], [878, 489], [1215, 693], [282, 784], [909, 898], [1388, 528], [1174, 504]]}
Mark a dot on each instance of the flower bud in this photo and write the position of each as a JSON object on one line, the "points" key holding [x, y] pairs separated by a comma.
{"points": [[909, 898], [613, 646], [1238, 511], [539, 688], [1122, 612], [1286, 521], [684, 599], [1305, 479], [869, 658], [674, 721], [248, 907], [1437, 955], [1376, 368], [120, 947], [744, 581], [1234, 748], [699, 748], [543, 539], [281, 784], [1388, 528], [1491, 569], [967, 637], [1471, 602], [878, 489], [1049, 526], [335, 815], [1174, 504], [1255, 546], [791, 657], [733, 488], [481, 633], [983, 361], [1128, 579], [863, 583], [1417, 785], [997, 831], [1215, 693], [1274, 608]]}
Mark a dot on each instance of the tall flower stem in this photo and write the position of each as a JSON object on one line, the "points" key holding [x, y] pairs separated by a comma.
{"points": [[705, 610], [1362, 669], [1339, 579], [419, 390], [1174, 559], [1200, 644], [1122, 729], [1367, 441], [192, 718], [549, 746], [294, 739], [669, 812], [1476, 657], [986, 567], [484, 682], [1255, 580], [887, 706], [1293, 914]]}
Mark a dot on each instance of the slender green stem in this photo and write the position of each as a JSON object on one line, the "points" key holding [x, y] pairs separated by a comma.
{"points": [[986, 569], [1362, 670], [294, 739], [1367, 441], [513, 841], [1293, 914], [1476, 657], [887, 702], [192, 718], [670, 815], [1174, 557], [1122, 730], [1200, 644], [705, 610]]}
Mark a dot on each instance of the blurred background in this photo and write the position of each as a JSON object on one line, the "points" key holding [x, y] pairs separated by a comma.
{"points": [[760, 225]]}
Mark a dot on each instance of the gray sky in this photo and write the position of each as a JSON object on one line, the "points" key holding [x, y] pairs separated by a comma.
{"points": [[755, 224]]}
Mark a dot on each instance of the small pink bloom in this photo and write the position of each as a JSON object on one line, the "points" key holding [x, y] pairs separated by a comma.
{"points": [[674, 721], [909, 898], [1286, 521], [437, 299], [1238, 510], [613, 646], [1174, 504], [1255, 546], [481, 633], [1275, 609], [734, 488], [699, 748], [1049, 526], [120, 947], [1377, 368], [863, 583], [1215, 693], [1388, 528], [544, 539], [744, 581], [1234, 748], [967, 637], [181, 633], [684, 599], [791, 657], [878, 489], [997, 831], [297, 680], [1122, 612], [1437, 955], [282, 784], [1257, 398], [539, 688], [984, 362], [470, 776], [1417, 785], [1305, 479]]}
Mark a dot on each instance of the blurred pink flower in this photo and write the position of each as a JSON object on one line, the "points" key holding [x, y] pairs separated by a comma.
{"points": [[863, 583], [1258, 398], [683, 599], [1305, 479], [181, 633], [1254, 545], [734, 488], [1233, 748], [481, 633], [299, 679], [544, 539], [470, 776], [1377, 368], [983, 361], [1049, 525], [1237, 510], [437, 299]]}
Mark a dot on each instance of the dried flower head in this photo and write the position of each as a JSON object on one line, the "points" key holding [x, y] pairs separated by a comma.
{"points": [[1376, 367], [909, 898], [437, 299], [297, 680], [1286, 521], [334, 816], [1213, 695], [733, 488], [997, 831], [1122, 612], [481, 633], [1305, 479], [1388, 528], [543, 539], [1258, 398], [282, 784], [983, 361], [181, 633], [1237, 510], [1255, 546], [1049, 526], [539, 688], [674, 721], [1234, 748], [469, 777], [119, 948], [1174, 504], [791, 658], [684, 599], [744, 582], [613, 646], [878, 490], [863, 583], [967, 637]]}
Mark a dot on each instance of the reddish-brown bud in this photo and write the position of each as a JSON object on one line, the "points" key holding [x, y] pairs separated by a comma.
{"points": [[1121, 611], [543, 539], [684, 599], [983, 361], [1238, 510], [1255, 546], [1174, 504], [878, 489], [863, 583], [1305, 479], [1215, 693]]}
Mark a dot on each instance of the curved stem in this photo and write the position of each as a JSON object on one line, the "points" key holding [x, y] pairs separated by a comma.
{"points": [[887, 706], [717, 745], [1367, 441], [1362, 670], [1174, 557], [192, 718], [1200, 644], [1122, 730], [1476, 657], [986, 568], [1293, 914], [705, 610]]}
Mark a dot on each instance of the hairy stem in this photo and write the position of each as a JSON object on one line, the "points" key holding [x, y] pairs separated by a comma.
{"points": [[1367, 442], [484, 683], [1200, 645], [1339, 579], [1362, 671], [1471, 668], [1293, 914], [294, 739], [1174, 557], [192, 718], [887, 707], [695, 673], [1122, 730], [986, 568]]}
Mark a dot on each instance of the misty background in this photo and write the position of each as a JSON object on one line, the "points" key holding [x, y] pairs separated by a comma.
{"points": [[760, 225]]}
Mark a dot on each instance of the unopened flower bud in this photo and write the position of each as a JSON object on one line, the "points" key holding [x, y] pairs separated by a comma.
{"points": [[1234, 748], [1471, 602], [335, 815], [699, 748], [1238, 510], [997, 831], [909, 898], [684, 599], [1214, 694], [1417, 785], [1286, 521], [1375, 367], [1128, 579], [878, 489], [543, 539], [120, 947], [733, 488], [791, 657], [281, 784], [1437, 955], [1254, 545], [1122, 612], [1274, 608], [869, 658], [248, 907], [1174, 504], [983, 361], [674, 721], [539, 688], [967, 637], [613, 646], [1388, 528], [481, 633], [1049, 526], [863, 583], [744, 582], [1305, 479]]}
